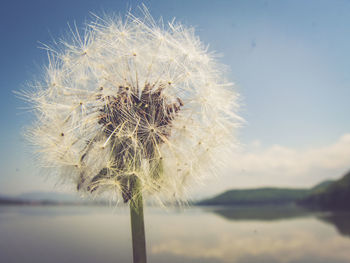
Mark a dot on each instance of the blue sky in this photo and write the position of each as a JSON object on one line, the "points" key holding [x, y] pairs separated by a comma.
{"points": [[290, 61]]}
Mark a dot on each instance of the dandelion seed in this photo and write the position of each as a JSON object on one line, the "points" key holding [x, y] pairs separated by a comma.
{"points": [[138, 103], [153, 107]]}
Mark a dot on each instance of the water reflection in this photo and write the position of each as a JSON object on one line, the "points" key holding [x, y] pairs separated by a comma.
{"points": [[256, 235], [261, 213], [340, 220], [102, 234]]}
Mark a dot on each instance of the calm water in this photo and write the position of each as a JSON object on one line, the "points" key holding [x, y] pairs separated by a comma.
{"points": [[199, 234]]}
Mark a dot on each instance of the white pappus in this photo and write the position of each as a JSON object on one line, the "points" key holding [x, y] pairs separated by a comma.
{"points": [[133, 97]]}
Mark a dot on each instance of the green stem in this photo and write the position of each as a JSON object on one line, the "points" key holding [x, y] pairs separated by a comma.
{"points": [[137, 223]]}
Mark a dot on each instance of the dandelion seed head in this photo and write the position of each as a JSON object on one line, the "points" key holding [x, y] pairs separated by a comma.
{"points": [[133, 97]]}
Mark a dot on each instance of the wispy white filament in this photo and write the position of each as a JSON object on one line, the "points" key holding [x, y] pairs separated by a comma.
{"points": [[100, 118]]}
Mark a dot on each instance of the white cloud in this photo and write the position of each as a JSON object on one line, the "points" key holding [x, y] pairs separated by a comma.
{"points": [[282, 166]]}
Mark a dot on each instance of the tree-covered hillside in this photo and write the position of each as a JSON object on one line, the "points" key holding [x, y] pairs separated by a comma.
{"points": [[335, 196], [261, 196], [257, 196]]}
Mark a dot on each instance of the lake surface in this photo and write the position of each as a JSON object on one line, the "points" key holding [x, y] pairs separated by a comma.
{"points": [[198, 234]]}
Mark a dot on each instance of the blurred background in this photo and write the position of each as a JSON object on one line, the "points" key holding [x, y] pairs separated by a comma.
{"points": [[284, 196]]}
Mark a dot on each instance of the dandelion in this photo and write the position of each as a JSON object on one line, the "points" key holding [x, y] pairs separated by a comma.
{"points": [[132, 106]]}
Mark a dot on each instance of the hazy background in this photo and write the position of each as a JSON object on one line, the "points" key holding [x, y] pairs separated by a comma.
{"points": [[289, 60]]}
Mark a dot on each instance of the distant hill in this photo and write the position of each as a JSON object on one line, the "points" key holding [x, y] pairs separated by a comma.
{"points": [[10, 201], [257, 196], [335, 196], [49, 196], [321, 186], [263, 196]]}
